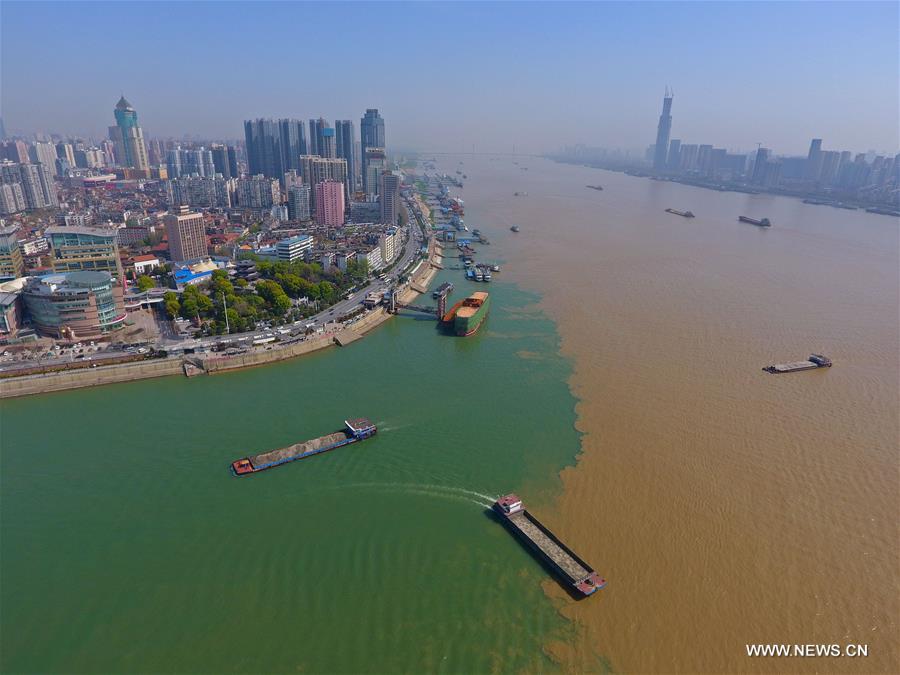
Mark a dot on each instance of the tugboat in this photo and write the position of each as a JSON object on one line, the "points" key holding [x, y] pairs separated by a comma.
{"points": [[514, 228]]}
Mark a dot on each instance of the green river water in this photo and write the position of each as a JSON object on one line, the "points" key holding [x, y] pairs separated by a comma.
{"points": [[127, 546]]}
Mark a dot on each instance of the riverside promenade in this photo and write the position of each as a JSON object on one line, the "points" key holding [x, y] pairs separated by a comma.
{"points": [[200, 364]]}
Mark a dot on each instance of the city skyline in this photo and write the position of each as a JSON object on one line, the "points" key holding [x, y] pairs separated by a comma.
{"points": [[733, 85]]}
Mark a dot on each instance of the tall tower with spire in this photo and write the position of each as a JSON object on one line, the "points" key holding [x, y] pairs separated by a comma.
{"points": [[128, 138], [663, 131]]}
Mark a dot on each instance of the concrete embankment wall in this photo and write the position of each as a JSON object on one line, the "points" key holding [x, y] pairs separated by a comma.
{"points": [[88, 377], [218, 365], [91, 377]]}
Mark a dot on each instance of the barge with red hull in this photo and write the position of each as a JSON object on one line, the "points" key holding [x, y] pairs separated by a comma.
{"points": [[578, 575], [354, 430]]}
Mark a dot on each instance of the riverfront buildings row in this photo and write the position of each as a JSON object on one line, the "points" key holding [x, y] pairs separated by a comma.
{"points": [[838, 177], [81, 219]]}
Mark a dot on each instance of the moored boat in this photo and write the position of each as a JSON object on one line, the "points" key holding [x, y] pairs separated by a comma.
{"points": [[466, 316]]}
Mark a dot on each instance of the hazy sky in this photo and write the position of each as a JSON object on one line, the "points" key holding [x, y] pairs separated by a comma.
{"points": [[449, 75]]}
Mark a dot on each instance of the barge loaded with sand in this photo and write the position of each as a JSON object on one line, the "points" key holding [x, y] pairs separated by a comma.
{"points": [[353, 431], [577, 574], [814, 361]]}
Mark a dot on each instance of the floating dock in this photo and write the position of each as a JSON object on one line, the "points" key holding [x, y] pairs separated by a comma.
{"points": [[814, 361], [580, 576], [353, 431]]}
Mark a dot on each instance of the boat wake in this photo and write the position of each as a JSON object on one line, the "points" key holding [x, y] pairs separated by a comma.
{"points": [[427, 489]]}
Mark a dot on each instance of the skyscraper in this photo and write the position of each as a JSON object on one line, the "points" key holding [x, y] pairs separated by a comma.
{"points": [[317, 137], [662, 133], [128, 137], [674, 157], [814, 159], [375, 163], [371, 135], [293, 143], [222, 155], [329, 143], [273, 146], [263, 147], [344, 140], [43, 153], [390, 197]]}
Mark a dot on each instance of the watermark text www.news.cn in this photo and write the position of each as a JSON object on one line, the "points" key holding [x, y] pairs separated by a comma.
{"points": [[832, 650]]}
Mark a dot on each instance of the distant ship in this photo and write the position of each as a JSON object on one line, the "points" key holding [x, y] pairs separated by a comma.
{"points": [[466, 316], [764, 222], [595, 187], [520, 194], [514, 228], [684, 214]]}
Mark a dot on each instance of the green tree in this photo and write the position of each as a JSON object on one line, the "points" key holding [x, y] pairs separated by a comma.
{"points": [[145, 283], [219, 283], [173, 307], [189, 308]]}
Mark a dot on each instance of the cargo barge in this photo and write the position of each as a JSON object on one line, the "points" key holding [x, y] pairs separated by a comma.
{"points": [[598, 188], [814, 361], [763, 222], [577, 574], [353, 431], [466, 316], [683, 214]]}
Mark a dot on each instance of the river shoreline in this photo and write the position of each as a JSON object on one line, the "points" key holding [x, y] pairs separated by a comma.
{"points": [[191, 365]]}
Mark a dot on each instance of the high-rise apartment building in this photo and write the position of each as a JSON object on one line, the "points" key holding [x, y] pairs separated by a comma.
{"points": [[663, 129], [814, 160], [224, 160], [316, 169], [258, 192], [128, 137], [345, 140], [375, 162], [371, 135], [330, 203], [187, 235], [298, 202], [65, 151], [208, 192], [317, 137], [34, 181], [390, 197], [43, 153], [273, 146], [329, 143]]}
